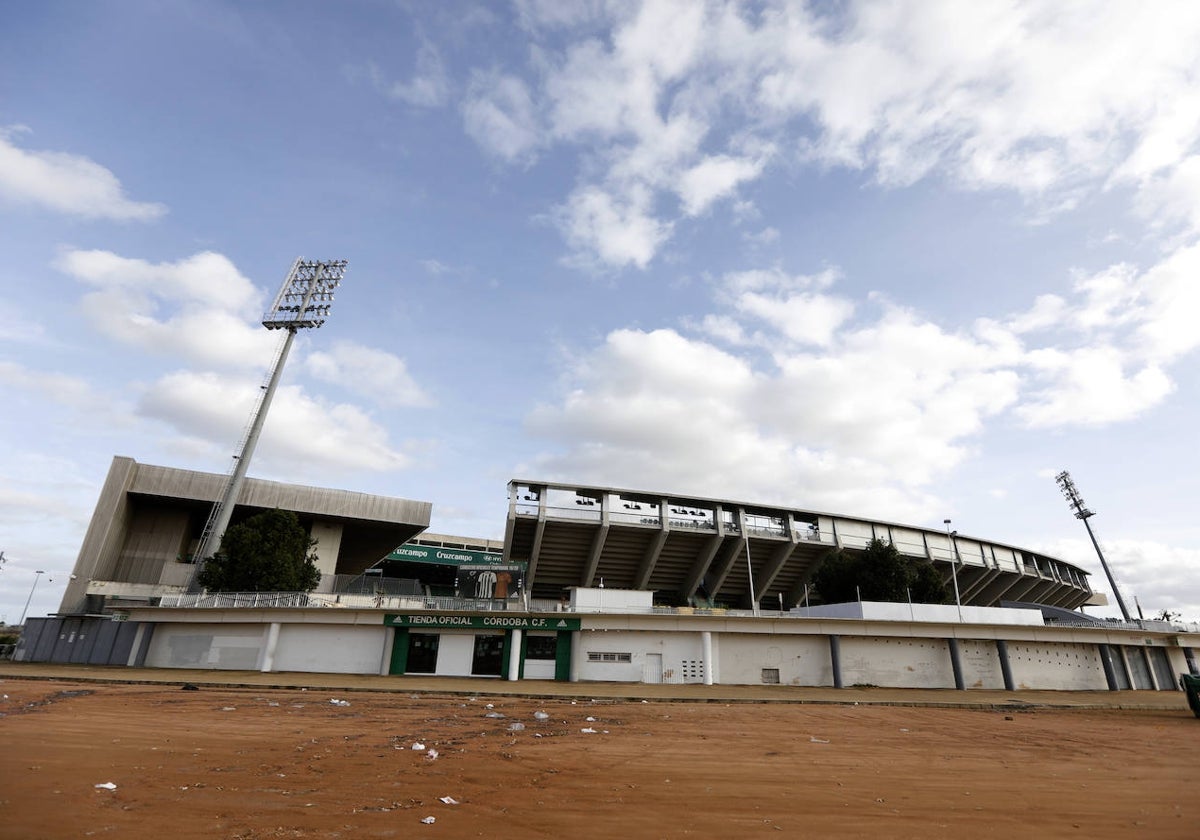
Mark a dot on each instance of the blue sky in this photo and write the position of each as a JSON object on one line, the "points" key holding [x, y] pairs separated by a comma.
{"points": [[898, 259]]}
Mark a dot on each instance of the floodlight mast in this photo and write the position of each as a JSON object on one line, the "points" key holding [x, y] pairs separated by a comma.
{"points": [[303, 302], [1081, 512]]}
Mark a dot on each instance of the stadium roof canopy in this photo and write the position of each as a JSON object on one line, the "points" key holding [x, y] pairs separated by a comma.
{"points": [[685, 546]]}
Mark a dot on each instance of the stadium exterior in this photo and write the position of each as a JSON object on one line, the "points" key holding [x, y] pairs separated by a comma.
{"points": [[590, 583]]}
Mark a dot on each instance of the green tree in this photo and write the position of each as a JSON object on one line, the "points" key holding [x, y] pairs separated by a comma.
{"points": [[878, 573], [269, 552]]}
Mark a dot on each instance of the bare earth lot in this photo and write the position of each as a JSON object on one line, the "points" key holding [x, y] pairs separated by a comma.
{"points": [[251, 763]]}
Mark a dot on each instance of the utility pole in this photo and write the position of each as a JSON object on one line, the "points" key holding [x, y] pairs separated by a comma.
{"points": [[1067, 486]]}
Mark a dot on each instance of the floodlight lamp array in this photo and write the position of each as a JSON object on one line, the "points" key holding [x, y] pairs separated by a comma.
{"points": [[1067, 486], [306, 296]]}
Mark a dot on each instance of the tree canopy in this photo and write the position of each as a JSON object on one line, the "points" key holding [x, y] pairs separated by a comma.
{"points": [[269, 552], [878, 573]]}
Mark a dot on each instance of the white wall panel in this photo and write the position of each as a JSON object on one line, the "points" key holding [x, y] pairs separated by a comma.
{"points": [[336, 649]]}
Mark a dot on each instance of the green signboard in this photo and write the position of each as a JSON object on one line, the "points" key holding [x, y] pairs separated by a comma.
{"points": [[481, 622], [444, 556]]}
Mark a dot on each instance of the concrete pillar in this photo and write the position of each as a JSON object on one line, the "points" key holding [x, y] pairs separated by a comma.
{"points": [[1005, 668], [389, 640], [576, 654], [956, 664], [268, 660], [514, 655], [707, 647], [835, 659], [135, 648], [1150, 669], [1110, 676]]}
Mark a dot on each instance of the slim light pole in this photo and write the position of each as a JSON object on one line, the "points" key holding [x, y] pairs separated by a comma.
{"points": [[954, 567], [1067, 486], [303, 302], [36, 577]]}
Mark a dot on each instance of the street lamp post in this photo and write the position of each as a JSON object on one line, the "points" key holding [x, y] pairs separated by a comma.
{"points": [[36, 577], [953, 567]]}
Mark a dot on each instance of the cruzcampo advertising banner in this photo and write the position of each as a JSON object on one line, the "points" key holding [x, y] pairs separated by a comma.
{"points": [[445, 556], [497, 583]]}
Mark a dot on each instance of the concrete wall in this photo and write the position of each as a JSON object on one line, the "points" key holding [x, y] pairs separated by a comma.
{"points": [[336, 649], [681, 656], [1069, 667], [896, 662], [800, 660], [235, 647], [980, 664]]}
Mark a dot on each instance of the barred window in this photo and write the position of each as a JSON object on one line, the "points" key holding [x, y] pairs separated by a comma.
{"points": [[605, 656]]}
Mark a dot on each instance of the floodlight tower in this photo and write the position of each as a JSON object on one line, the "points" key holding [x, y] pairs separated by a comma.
{"points": [[303, 302], [1081, 512]]}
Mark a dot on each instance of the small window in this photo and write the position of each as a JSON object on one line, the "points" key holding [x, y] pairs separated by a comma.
{"points": [[603, 656], [770, 676]]}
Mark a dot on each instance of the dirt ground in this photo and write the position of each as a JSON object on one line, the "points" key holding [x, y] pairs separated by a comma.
{"points": [[249, 763]]}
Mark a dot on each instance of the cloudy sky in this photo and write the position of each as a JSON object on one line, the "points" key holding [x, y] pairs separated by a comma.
{"points": [[899, 259]]}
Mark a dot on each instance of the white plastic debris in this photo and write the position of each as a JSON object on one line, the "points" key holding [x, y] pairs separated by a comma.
{"points": [[590, 719], [336, 702], [449, 800], [817, 740], [587, 730], [541, 716], [490, 706], [429, 820], [417, 745], [494, 714], [229, 708], [516, 726], [106, 786], [431, 755]]}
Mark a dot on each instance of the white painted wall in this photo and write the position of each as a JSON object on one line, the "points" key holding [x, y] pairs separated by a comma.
{"points": [[682, 655], [596, 599], [336, 649], [227, 647], [980, 664], [896, 662], [801, 660], [1070, 667]]}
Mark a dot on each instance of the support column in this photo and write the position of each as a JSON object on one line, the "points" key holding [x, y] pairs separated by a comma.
{"points": [[1005, 668], [135, 648], [1149, 669], [956, 664], [514, 655], [268, 660], [707, 648], [1110, 676], [385, 661], [576, 654], [835, 659]]}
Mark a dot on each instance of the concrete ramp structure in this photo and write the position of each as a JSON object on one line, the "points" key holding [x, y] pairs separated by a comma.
{"points": [[145, 530]]}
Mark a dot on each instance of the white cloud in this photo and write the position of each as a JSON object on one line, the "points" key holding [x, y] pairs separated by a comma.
{"points": [[1055, 102], [1160, 576], [499, 114], [300, 429], [66, 183], [865, 424], [196, 307], [1090, 387], [61, 388], [367, 372], [620, 231], [713, 178], [429, 86]]}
